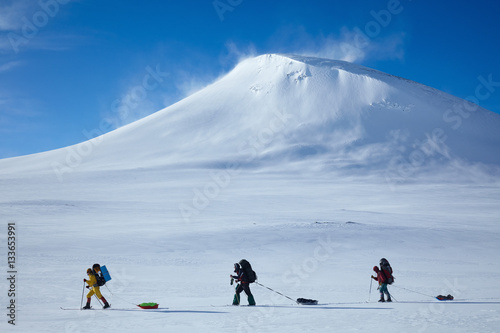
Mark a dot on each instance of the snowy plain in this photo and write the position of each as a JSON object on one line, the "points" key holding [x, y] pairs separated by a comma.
{"points": [[311, 169]]}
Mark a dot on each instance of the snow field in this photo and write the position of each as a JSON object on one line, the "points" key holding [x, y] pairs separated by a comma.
{"points": [[297, 244]]}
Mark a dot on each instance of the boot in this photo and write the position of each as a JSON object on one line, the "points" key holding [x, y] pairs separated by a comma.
{"points": [[236, 299], [389, 298], [106, 304], [381, 300], [251, 300], [87, 306]]}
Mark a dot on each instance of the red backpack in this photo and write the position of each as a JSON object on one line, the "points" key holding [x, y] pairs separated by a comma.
{"points": [[386, 270]]}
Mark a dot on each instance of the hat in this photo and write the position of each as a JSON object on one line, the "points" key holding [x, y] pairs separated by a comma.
{"points": [[375, 269]]}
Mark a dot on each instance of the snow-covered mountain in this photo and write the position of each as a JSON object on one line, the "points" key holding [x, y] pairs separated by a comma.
{"points": [[311, 169], [284, 112]]}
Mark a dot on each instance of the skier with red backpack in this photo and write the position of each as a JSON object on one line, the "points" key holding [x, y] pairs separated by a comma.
{"points": [[244, 275], [384, 278]]}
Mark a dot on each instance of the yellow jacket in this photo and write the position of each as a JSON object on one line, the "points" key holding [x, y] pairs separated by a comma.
{"points": [[92, 281], [94, 288]]}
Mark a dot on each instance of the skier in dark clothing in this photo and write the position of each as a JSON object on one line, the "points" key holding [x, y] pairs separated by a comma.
{"points": [[243, 285]]}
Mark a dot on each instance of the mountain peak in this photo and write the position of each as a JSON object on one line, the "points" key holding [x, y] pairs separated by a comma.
{"points": [[288, 111]]}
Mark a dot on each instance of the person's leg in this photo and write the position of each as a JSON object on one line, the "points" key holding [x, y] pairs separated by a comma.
{"points": [[97, 291], [89, 298], [383, 290], [251, 300], [106, 304], [389, 299], [236, 299]]}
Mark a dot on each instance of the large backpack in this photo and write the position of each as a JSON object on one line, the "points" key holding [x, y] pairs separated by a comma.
{"points": [[101, 281], [105, 273], [386, 270], [249, 272]]}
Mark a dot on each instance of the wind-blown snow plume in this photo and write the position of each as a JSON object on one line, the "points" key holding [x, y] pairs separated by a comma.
{"points": [[337, 116]]}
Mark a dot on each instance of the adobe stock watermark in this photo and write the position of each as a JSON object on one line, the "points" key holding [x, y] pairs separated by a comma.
{"points": [[121, 282], [48, 9], [248, 151], [152, 80], [223, 6], [256, 319], [483, 91], [401, 168], [299, 272], [123, 279], [75, 155], [294, 277], [12, 279], [436, 309], [373, 28], [82, 320], [80, 324]]}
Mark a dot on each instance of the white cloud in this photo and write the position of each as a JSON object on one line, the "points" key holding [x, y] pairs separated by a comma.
{"points": [[353, 45], [24, 22], [12, 13], [9, 65], [339, 48], [187, 83], [236, 54], [177, 82], [140, 100]]}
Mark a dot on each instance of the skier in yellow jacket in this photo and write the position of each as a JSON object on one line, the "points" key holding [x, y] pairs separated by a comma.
{"points": [[94, 289]]}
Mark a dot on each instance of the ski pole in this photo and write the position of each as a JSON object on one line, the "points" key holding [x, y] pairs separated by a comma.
{"points": [[370, 292], [276, 292], [97, 298], [83, 290]]}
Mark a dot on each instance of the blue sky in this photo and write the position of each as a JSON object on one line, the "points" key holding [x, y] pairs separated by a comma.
{"points": [[70, 70]]}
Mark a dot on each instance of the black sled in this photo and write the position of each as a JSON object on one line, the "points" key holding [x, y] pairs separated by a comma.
{"points": [[307, 301], [445, 298]]}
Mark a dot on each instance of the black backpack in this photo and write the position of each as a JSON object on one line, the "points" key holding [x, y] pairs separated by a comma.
{"points": [[100, 280], [386, 270], [249, 272]]}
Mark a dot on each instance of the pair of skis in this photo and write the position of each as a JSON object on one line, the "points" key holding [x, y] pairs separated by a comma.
{"points": [[83, 309]]}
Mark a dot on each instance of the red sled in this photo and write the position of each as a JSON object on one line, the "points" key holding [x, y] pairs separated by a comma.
{"points": [[148, 305]]}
